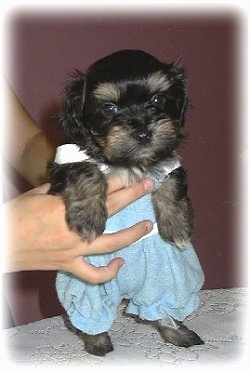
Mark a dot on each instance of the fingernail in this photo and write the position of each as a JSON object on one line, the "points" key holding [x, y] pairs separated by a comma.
{"points": [[149, 184], [149, 227]]}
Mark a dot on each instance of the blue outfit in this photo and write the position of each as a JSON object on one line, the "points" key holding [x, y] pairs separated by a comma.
{"points": [[158, 279]]}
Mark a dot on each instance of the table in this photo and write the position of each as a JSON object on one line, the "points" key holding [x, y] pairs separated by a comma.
{"points": [[220, 321]]}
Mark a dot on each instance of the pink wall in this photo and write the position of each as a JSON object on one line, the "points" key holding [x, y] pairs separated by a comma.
{"points": [[43, 49]]}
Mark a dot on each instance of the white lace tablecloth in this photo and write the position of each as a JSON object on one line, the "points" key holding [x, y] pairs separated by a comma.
{"points": [[220, 321]]}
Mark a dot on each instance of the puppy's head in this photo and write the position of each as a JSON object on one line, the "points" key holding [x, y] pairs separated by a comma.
{"points": [[128, 109]]}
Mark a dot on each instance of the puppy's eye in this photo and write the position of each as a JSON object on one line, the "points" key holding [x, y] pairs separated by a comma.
{"points": [[109, 110], [158, 100]]}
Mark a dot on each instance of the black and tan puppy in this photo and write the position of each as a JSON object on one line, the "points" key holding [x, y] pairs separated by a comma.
{"points": [[128, 113], [125, 116]]}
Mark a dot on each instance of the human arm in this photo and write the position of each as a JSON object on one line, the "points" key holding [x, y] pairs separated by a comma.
{"points": [[26, 147]]}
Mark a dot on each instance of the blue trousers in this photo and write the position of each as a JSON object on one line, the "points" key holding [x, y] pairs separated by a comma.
{"points": [[157, 278]]}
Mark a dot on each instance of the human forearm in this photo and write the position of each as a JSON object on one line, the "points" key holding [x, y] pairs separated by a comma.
{"points": [[26, 146], [33, 162]]}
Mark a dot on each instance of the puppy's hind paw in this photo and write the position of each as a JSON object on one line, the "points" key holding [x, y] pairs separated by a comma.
{"points": [[178, 334], [97, 344]]}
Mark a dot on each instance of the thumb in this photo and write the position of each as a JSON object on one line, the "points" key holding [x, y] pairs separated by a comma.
{"points": [[42, 189], [94, 274]]}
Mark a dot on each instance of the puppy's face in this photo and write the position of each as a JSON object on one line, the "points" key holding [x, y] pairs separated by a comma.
{"points": [[133, 108]]}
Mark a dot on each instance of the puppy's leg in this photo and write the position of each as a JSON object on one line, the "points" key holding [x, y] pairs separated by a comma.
{"points": [[97, 344], [173, 209], [83, 188], [176, 333], [173, 331]]}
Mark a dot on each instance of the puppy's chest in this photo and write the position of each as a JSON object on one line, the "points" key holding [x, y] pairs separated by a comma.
{"points": [[132, 175], [129, 176]]}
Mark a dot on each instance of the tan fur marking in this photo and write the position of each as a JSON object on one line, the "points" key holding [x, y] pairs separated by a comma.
{"points": [[107, 92], [158, 81]]}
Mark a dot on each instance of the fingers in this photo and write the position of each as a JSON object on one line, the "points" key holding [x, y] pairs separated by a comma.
{"points": [[114, 184], [121, 198], [96, 275], [115, 241], [108, 243]]}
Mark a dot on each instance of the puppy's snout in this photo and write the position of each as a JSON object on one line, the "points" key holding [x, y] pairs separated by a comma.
{"points": [[143, 136]]}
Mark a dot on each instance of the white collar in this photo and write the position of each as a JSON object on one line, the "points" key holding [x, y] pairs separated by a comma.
{"points": [[162, 173], [71, 153]]}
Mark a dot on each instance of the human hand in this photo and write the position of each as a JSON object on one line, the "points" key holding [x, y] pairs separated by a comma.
{"points": [[38, 237]]}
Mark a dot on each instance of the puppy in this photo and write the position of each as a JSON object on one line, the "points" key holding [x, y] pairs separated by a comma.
{"points": [[126, 117]]}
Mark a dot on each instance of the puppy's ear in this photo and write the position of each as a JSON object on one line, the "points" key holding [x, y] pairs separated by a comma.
{"points": [[178, 91], [71, 115]]}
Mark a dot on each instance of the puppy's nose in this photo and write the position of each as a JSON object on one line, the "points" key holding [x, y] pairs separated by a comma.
{"points": [[143, 136]]}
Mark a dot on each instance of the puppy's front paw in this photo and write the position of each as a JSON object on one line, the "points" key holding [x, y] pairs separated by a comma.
{"points": [[85, 198], [88, 217], [173, 209], [175, 223], [97, 344], [175, 229], [83, 188], [174, 219]]}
